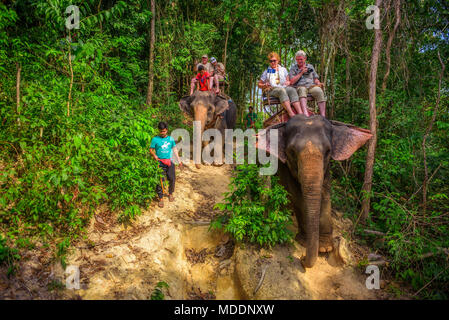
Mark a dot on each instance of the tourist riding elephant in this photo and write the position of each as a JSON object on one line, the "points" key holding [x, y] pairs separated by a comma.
{"points": [[213, 111], [305, 147]]}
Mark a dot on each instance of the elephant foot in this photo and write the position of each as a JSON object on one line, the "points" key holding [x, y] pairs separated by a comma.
{"points": [[217, 164], [326, 249], [326, 244]]}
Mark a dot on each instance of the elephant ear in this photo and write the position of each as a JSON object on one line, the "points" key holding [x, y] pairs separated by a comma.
{"points": [[264, 142], [221, 104], [347, 139], [184, 104]]}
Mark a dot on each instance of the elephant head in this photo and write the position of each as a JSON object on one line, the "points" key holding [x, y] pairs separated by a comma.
{"points": [[306, 145], [204, 106]]}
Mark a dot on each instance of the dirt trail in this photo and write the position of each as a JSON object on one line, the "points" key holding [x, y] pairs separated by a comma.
{"points": [[173, 244], [170, 244]]}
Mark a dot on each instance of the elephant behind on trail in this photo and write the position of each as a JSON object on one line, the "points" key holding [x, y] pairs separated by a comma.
{"points": [[213, 111]]}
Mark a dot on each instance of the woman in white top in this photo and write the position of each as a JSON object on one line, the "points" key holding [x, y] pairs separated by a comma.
{"points": [[274, 81]]}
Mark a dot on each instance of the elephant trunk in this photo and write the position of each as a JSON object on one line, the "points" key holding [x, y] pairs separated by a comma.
{"points": [[199, 114], [311, 173]]}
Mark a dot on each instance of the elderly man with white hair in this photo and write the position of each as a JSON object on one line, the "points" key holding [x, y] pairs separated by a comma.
{"points": [[218, 73], [304, 77]]}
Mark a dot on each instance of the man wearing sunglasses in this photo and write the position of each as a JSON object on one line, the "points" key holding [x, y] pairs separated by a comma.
{"points": [[304, 78]]}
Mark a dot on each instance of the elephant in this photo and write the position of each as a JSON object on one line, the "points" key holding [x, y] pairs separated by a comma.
{"points": [[305, 147], [213, 111]]}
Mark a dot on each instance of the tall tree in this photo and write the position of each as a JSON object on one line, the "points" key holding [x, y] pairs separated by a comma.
{"points": [[19, 70], [151, 56], [368, 179], [397, 7]]}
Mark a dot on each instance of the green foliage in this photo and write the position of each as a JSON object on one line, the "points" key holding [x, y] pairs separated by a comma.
{"points": [[8, 256], [56, 180], [255, 209], [413, 238], [56, 285], [158, 293], [61, 158], [61, 252]]}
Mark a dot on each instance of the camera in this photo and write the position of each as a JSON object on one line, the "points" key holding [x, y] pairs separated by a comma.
{"points": [[309, 71]]}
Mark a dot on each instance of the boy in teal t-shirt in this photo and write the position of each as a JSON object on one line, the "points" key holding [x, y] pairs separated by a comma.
{"points": [[162, 148]]}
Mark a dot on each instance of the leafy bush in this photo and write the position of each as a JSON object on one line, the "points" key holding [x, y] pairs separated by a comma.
{"points": [[8, 256], [413, 239], [52, 184], [256, 209], [157, 293], [61, 157]]}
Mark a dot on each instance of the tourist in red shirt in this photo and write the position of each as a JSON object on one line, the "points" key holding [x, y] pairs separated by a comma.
{"points": [[202, 79]]}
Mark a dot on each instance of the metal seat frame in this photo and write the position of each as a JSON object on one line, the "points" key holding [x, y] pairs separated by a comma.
{"points": [[268, 101]]}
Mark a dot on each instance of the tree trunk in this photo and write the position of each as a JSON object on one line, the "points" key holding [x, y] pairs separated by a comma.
{"points": [[397, 6], [98, 11], [226, 47], [71, 76], [348, 77], [368, 180], [167, 78], [151, 56], [19, 71], [255, 95], [251, 96], [332, 87]]}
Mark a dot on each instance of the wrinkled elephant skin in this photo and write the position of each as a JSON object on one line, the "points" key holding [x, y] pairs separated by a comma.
{"points": [[305, 147], [214, 111]]}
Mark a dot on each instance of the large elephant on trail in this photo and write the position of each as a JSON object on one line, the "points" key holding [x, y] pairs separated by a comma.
{"points": [[213, 111], [305, 147]]}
